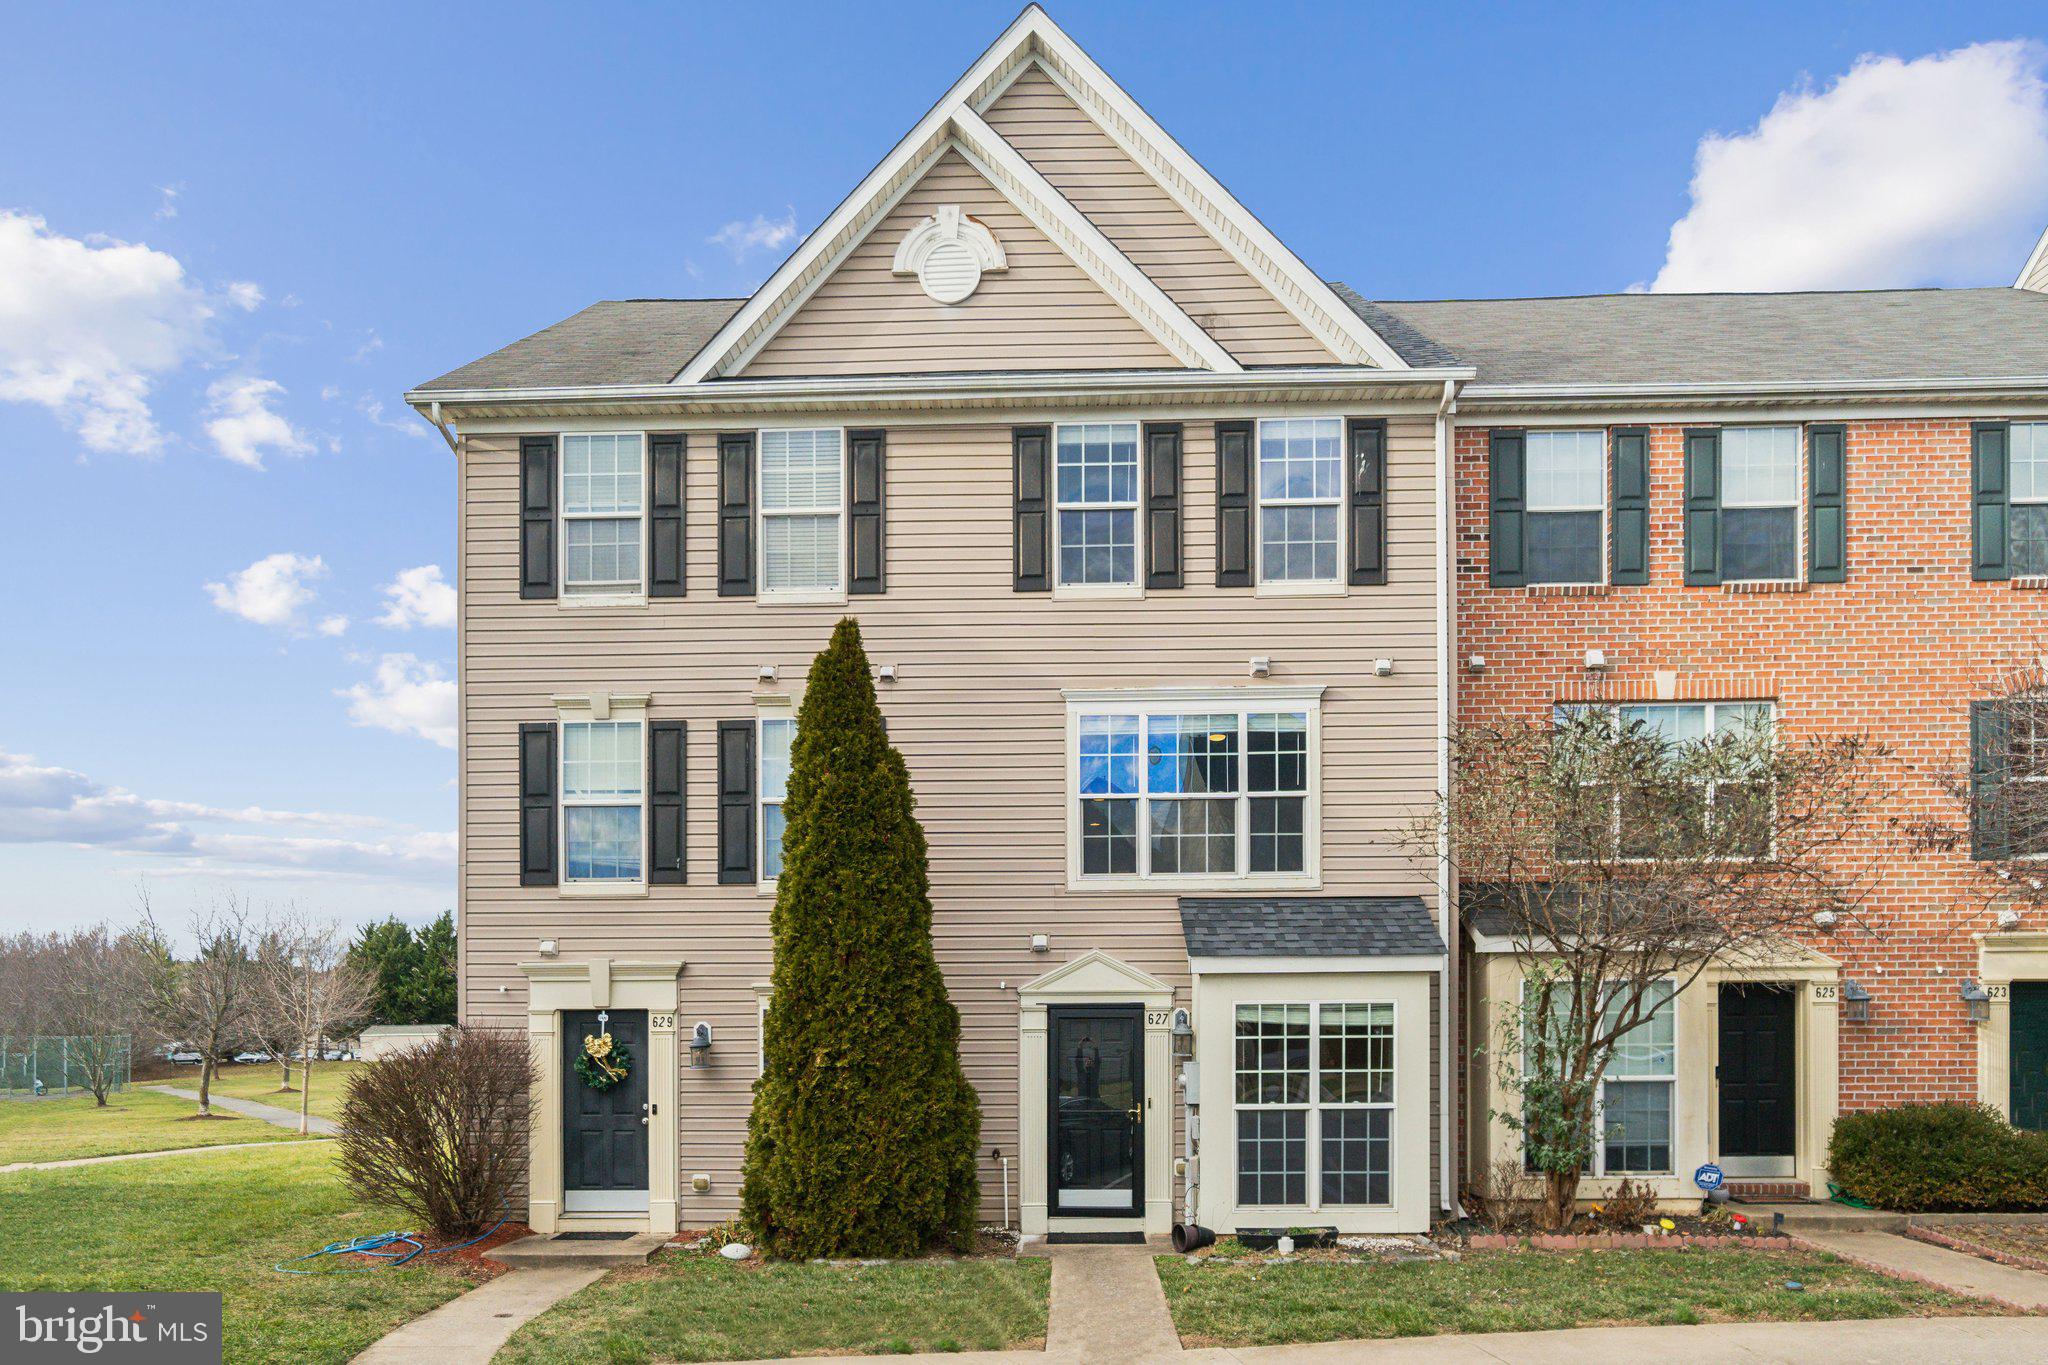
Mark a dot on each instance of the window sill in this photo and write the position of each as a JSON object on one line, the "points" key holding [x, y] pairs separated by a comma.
{"points": [[1763, 585], [801, 599], [598, 891], [1567, 590], [597, 601], [1098, 592], [1300, 590], [2035, 584], [1183, 885]]}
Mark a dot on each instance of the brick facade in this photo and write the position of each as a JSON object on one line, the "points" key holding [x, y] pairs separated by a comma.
{"points": [[1898, 650]]}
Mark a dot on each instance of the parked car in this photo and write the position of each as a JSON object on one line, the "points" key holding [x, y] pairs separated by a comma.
{"points": [[186, 1057], [248, 1057]]}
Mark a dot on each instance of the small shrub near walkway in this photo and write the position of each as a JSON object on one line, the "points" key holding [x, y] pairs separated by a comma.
{"points": [[1931, 1157], [1261, 1303], [695, 1306], [134, 1120]]}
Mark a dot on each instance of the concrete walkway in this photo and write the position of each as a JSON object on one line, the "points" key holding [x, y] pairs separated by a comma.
{"points": [[135, 1156], [1107, 1305], [469, 1330], [269, 1113], [1952, 1270]]}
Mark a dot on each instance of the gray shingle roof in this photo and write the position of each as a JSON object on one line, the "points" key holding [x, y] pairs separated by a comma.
{"points": [[1724, 338], [619, 341], [1308, 926]]}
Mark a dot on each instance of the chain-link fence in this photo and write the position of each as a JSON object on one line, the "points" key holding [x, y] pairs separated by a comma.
{"points": [[61, 1066]]}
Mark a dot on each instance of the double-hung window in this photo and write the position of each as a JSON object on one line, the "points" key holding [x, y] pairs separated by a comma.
{"points": [[2029, 507], [1759, 503], [604, 483], [1195, 792], [1301, 496], [777, 734], [604, 789], [1635, 1094], [1637, 831], [1096, 487], [1567, 506], [803, 513], [1314, 1098]]}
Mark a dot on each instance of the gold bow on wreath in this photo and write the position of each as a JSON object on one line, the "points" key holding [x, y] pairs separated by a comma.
{"points": [[604, 1063]]}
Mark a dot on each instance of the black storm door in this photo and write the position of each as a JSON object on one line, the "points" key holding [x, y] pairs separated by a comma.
{"points": [[1759, 1070], [1097, 1097], [604, 1133]]}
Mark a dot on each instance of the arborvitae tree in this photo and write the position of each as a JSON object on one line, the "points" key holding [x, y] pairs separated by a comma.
{"points": [[865, 1128]]}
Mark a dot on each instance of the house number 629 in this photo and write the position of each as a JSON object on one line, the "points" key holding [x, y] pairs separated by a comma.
{"points": [[661, 1021]]}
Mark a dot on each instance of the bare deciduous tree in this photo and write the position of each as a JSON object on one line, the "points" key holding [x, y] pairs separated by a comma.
{"points": [[270, 1025], [1622, 863], [207, 1001], [93, 992], [308, 992]]}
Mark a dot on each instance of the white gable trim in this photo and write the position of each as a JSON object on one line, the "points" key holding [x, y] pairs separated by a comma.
{"points": [[2034, 274], [1234, 227]]}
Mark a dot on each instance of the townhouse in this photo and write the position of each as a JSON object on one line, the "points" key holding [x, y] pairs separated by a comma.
{"points": [[1173, 562]]}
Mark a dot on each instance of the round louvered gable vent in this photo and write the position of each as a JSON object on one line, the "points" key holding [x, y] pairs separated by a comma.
{"points": [[950, 272], [949, 252]]}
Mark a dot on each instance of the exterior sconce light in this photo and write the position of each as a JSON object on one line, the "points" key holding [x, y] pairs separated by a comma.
{"points": [[700, 1045], [1261, 665], [1183, 1037], [1596, 661], [1976, 1002], [1855, 1002], [767, 673], [1476, 664], [1383, 667]]}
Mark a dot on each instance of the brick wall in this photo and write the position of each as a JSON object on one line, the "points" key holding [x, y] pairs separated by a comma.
{"points": [[1900, 650]]}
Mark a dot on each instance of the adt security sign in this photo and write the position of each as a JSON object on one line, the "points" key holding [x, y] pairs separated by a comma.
{"points": [[1708, 1177]]}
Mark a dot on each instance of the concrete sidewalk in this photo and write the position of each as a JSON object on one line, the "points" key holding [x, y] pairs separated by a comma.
{"points": [[1107, 1305], [1952, 1270], [269, 1113], [137, 1156], [469, 1330]]}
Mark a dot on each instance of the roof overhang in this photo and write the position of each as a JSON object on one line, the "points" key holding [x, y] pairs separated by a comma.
{"points": [[1494, 399]]}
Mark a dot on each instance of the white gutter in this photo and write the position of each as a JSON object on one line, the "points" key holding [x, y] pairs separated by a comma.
{"points": [[1446, 715], [946, 386], [1481, 393]]}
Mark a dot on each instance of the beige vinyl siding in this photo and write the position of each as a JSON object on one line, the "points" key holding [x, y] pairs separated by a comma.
{"points": [[2037, 277], [1041, 313], [1069, 149], [979, 716]]}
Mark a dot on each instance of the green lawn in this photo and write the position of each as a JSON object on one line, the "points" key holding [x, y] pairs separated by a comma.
{"points": [[259, 1082], [217, 1222], [691, 1306], [1247, 1304], [135, 1120]]}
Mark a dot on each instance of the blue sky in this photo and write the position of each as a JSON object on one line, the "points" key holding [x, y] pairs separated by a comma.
{"points": [[248, 229]]}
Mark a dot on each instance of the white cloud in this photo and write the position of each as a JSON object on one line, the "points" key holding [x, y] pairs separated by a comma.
{"points": [[761, 234], [1931, 171], [372, 407], [40, 804], [87, 327], [332, 625], [168, 206], [245, 295], [244, 424], [274, 591], [406, 696], [418, 597]]}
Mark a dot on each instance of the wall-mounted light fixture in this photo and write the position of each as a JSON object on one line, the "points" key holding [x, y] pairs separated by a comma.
{"points": [[1976, 1002], [1261, 665], [1596, 661], [767, 673], [1855, 1002], [700, 1045], [1183, 1036], [1383, 667]]}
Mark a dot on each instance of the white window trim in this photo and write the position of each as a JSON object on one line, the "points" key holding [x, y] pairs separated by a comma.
{"points": [[804, 597], [1605, 508], [1597, 1167], [1302, 587], [763, 883], [1800, 438], [1614, 709], [583, 711], [1114, 591], [1198, 701], [564, 599], [1313, 1109], [2015, 500]]}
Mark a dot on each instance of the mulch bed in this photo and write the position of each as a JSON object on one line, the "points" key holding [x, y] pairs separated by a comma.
{"points": [[475, 1261], [1615, 1241]]}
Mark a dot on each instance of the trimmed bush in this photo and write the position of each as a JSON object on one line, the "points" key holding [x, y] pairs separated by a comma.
{"points": [[1939, 1157], [865, 1128]]}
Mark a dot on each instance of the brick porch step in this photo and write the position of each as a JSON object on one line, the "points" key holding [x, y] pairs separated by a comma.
{"points": [[1768, 1191]]}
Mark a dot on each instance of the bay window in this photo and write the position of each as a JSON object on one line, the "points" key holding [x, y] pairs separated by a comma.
{"points": [[1215, 790], [803, 514], [1314, 1100], [603, 799], [1095, 487], [603, 495]]}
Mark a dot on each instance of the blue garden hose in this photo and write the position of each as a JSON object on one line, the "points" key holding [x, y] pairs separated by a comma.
{"points": [[374, 1245]]}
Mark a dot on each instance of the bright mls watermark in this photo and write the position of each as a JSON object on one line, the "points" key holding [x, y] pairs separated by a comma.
{"points": [[166, 1329]]}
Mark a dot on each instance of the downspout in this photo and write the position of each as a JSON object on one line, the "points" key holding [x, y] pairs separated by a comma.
{"points": [[1446, 715], [447, 429]]}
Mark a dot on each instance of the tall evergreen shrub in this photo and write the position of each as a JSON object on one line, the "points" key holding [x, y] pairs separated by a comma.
{"points": [[864, 1128]]}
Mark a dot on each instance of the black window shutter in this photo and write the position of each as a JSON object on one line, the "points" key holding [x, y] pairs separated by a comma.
{"points": [[867, 479], [1990, 488], [1703, 506], [666, 750], [1827, 527], [1628, 492], [537, 804], [665, 515], [1162, 505], [736, 514], [1366, 496], [536, 517], [1990, 757], [1031, 452], [1507, 520], [1233, 504], [735, 801]]}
